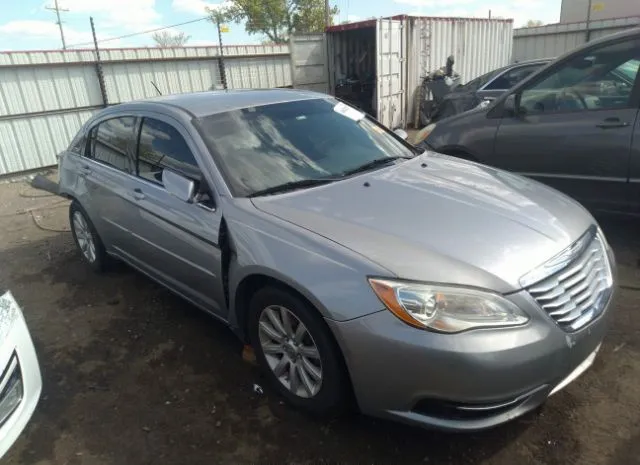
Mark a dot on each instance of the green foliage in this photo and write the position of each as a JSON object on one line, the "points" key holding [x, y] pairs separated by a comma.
{"points": [[276, 19], [533, 23], [167, 39]]}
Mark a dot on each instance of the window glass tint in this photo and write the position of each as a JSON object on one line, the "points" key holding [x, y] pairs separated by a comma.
{"points": [[511, 77], [162, 146], [79, 144], [600, 79], [111, 140], [478, 82], [267, 146]]}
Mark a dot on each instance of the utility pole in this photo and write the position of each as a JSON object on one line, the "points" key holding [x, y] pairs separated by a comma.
{"points": [[223, 74], [57, 9], [589, 21], [327, 18], [103, 87]]}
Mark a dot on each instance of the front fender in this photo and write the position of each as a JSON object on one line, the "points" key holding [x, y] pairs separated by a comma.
{"points": [[331, 277]]}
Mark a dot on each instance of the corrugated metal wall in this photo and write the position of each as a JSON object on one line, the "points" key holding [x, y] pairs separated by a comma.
{"points": [[477, 45], [556, 39], [46, 96]]}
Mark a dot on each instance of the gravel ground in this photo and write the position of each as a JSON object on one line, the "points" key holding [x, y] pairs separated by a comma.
{"points": [[134, 375]]}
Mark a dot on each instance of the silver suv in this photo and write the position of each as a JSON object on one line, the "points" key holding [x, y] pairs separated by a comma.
{"points": [[440, 292]]}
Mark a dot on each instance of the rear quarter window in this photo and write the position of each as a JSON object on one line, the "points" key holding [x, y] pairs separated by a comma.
{"points": [[79, 144]]}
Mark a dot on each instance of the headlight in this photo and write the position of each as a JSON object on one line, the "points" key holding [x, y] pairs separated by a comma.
{"points": [[446, 309], [423, 133], [11, 390]]}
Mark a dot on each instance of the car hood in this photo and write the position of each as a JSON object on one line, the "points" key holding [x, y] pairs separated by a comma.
{"points": [[440, 219]]}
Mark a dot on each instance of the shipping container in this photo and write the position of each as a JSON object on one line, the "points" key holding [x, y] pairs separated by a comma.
{"points": [[379, 64], [554, 40]]}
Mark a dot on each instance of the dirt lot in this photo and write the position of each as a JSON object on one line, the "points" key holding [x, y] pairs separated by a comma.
{"points": [[133, 375]]}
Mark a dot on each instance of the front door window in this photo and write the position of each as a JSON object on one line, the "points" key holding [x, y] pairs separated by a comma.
{"points": [[601, 79]]}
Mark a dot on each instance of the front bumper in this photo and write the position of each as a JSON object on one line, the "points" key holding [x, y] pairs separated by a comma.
{"points": [[467, 381]]}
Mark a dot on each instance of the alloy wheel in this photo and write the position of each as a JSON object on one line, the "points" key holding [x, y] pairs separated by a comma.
{"points": [[290, 351], [84, 237]]}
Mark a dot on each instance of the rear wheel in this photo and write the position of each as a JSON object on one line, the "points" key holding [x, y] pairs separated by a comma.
{"points": [[86, 238], [295, 348]]}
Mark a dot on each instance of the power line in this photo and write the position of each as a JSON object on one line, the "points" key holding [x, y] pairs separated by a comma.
{"points": [[142, 32], [57, 9]]}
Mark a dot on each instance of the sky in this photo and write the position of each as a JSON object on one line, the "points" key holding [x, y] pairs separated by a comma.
{"points": [[29, 25]]}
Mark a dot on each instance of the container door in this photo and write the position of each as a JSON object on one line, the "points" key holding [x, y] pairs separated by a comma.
{"points": [[390, 48], [309, 62]]}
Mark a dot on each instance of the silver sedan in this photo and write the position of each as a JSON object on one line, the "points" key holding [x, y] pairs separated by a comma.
{"points": [[440, 292]]}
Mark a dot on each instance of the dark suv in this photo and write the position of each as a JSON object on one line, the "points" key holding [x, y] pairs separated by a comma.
{"points": [[570, 125]]}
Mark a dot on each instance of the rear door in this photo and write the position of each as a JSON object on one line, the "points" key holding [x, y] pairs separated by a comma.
{"points": [[390, 49], [177, 241], [309, 69], [107, 169], [574, 126]]}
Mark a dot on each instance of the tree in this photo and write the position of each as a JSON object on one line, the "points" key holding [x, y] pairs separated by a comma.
{"points": [[167, 39], [276, 19], [534, 23]]}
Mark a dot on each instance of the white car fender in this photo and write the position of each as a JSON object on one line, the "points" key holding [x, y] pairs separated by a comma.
{"points": [[20, 379]]}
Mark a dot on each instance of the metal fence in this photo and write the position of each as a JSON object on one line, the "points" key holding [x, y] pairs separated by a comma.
{"points": [[46, 96], [556, 39]]}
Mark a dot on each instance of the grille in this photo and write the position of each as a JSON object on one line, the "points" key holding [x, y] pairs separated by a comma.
{"points": [[580, 290]]}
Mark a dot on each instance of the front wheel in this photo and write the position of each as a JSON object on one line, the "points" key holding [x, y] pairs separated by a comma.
{"points": [[295, 348]]}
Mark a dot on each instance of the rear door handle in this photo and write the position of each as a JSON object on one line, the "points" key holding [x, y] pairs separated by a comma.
{"points": [[84, 170], [611, 123], [138, 194]]}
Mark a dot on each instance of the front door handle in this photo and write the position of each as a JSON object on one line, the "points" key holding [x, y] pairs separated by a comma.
{"points": [[85, 170], [138, 194], [611, 123]]}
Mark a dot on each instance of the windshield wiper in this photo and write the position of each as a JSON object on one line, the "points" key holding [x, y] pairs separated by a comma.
{"points": [[372, 164], [293, 185]]}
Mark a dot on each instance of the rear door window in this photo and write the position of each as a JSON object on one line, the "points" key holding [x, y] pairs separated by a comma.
{"points": [[163, 147], [111, 143]]}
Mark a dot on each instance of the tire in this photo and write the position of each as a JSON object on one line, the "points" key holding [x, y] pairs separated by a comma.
{"points": [[93, 252], [330, 394]]}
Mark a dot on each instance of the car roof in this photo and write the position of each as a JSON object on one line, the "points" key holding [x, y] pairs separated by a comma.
{"points": [[199, 104], [532, 61]]}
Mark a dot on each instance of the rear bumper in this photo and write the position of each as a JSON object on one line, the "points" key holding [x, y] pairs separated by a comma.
{"points": [[463, 382]]}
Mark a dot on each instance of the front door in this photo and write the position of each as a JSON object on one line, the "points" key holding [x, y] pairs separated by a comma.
{"points": [[178, 242], [573, 126]]}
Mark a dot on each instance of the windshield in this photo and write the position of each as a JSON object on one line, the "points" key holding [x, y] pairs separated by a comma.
{"points": [[262, 147]]}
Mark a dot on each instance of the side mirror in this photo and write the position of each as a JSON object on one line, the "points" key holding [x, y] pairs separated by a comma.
{"points": [[178, 186], [401, 133]]}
